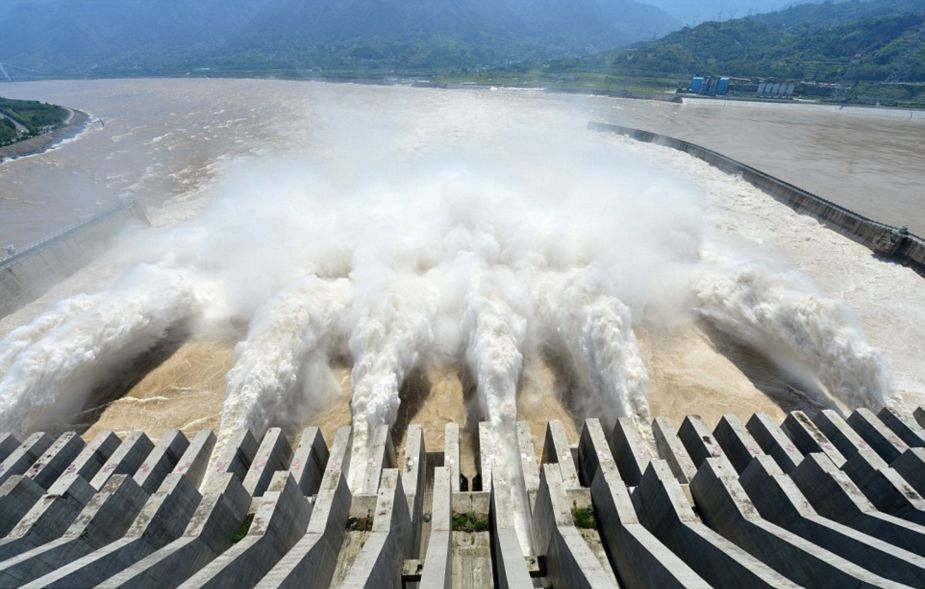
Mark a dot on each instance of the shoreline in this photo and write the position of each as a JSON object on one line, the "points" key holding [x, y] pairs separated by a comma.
{"points": [[429, 81], [77, 123]]}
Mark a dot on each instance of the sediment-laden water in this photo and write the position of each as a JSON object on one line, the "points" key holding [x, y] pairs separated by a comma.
{"points": [[381, 255]]}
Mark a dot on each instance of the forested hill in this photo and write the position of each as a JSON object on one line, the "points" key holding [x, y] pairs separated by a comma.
{"points": [[881, 41], [113, 37]]}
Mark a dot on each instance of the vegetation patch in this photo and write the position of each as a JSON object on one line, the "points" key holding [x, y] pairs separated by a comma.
{"points": [[22, 119], [470, 522], [584, 518], [243, 529]]}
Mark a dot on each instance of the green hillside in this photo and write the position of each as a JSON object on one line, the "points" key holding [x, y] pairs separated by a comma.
{"points": [[873, 51], [35, 117]]}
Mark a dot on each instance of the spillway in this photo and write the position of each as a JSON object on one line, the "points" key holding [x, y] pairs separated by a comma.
{"points": [[816, 501]]}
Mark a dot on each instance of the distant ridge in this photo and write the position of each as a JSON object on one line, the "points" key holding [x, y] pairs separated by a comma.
{"points": [[882, 40], [115, 37]]}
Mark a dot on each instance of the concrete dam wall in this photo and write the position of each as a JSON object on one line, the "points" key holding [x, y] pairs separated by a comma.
{"points": [[821, 501], [26, 275], [893, 243]]}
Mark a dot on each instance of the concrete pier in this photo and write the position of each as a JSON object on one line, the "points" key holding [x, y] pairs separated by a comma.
{"points": [[670, 449], [625, 539], [726, 508], [280, 519], [379, 563], [23, 456], [910, 432], [737, 443], [630, 451], [836, 497], [272, 455], [161, 520], [911, 467], [808, 438], [823, 502], [438, 564], [664, 509], [125, 459], [780, 501], [774, 441], [569, 560], [104, 519], [56, 459]]}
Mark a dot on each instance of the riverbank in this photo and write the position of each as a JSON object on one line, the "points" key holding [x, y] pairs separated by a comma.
{"points": [[77, 122]]}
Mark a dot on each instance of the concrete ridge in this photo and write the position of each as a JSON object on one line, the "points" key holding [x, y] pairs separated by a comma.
{"points": [[890, 242], [827, 500]]}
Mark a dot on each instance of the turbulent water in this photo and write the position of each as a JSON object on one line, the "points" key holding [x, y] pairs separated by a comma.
{"points": [[408, 230]]}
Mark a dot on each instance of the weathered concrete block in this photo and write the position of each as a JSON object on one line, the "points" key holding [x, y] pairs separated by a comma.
{"points": [[105, 518], [885, 488], [8, 443], [911, 467], [208, 534], [281, 518], [56, 459], [639, 558], [738, 445], [380, 454], [311, 561], [556, 450], [161, 460], [413, 477], [379, 563], [451, 454], [809, 438], [195, 459], [94, 455], [272, 455], [774, 441], [882, 439], [17, 496], [569, 560], [839, 432], [125, 460], [594, 451], [727, 509], [664, 509], [49, 517], [910, 432], [160, 521], [919, 415], [630, 450], [672, 451], [836, 497], [308, 461], [438, 572], [699, 442], [506, 553], [235, 457], [528, 462], [780, 501], [487, 449], [25, 455]]}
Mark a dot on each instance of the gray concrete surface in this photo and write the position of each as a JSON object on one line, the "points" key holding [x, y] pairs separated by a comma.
{"points": [[756, 513]]}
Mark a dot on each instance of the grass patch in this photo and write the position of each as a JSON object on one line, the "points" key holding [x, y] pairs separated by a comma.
{"points": [[584, 518], [242, 531], [470, 522]]}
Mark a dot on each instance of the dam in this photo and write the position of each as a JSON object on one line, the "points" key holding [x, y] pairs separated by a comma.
{"points": [[814, 501], [513, 351]]}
